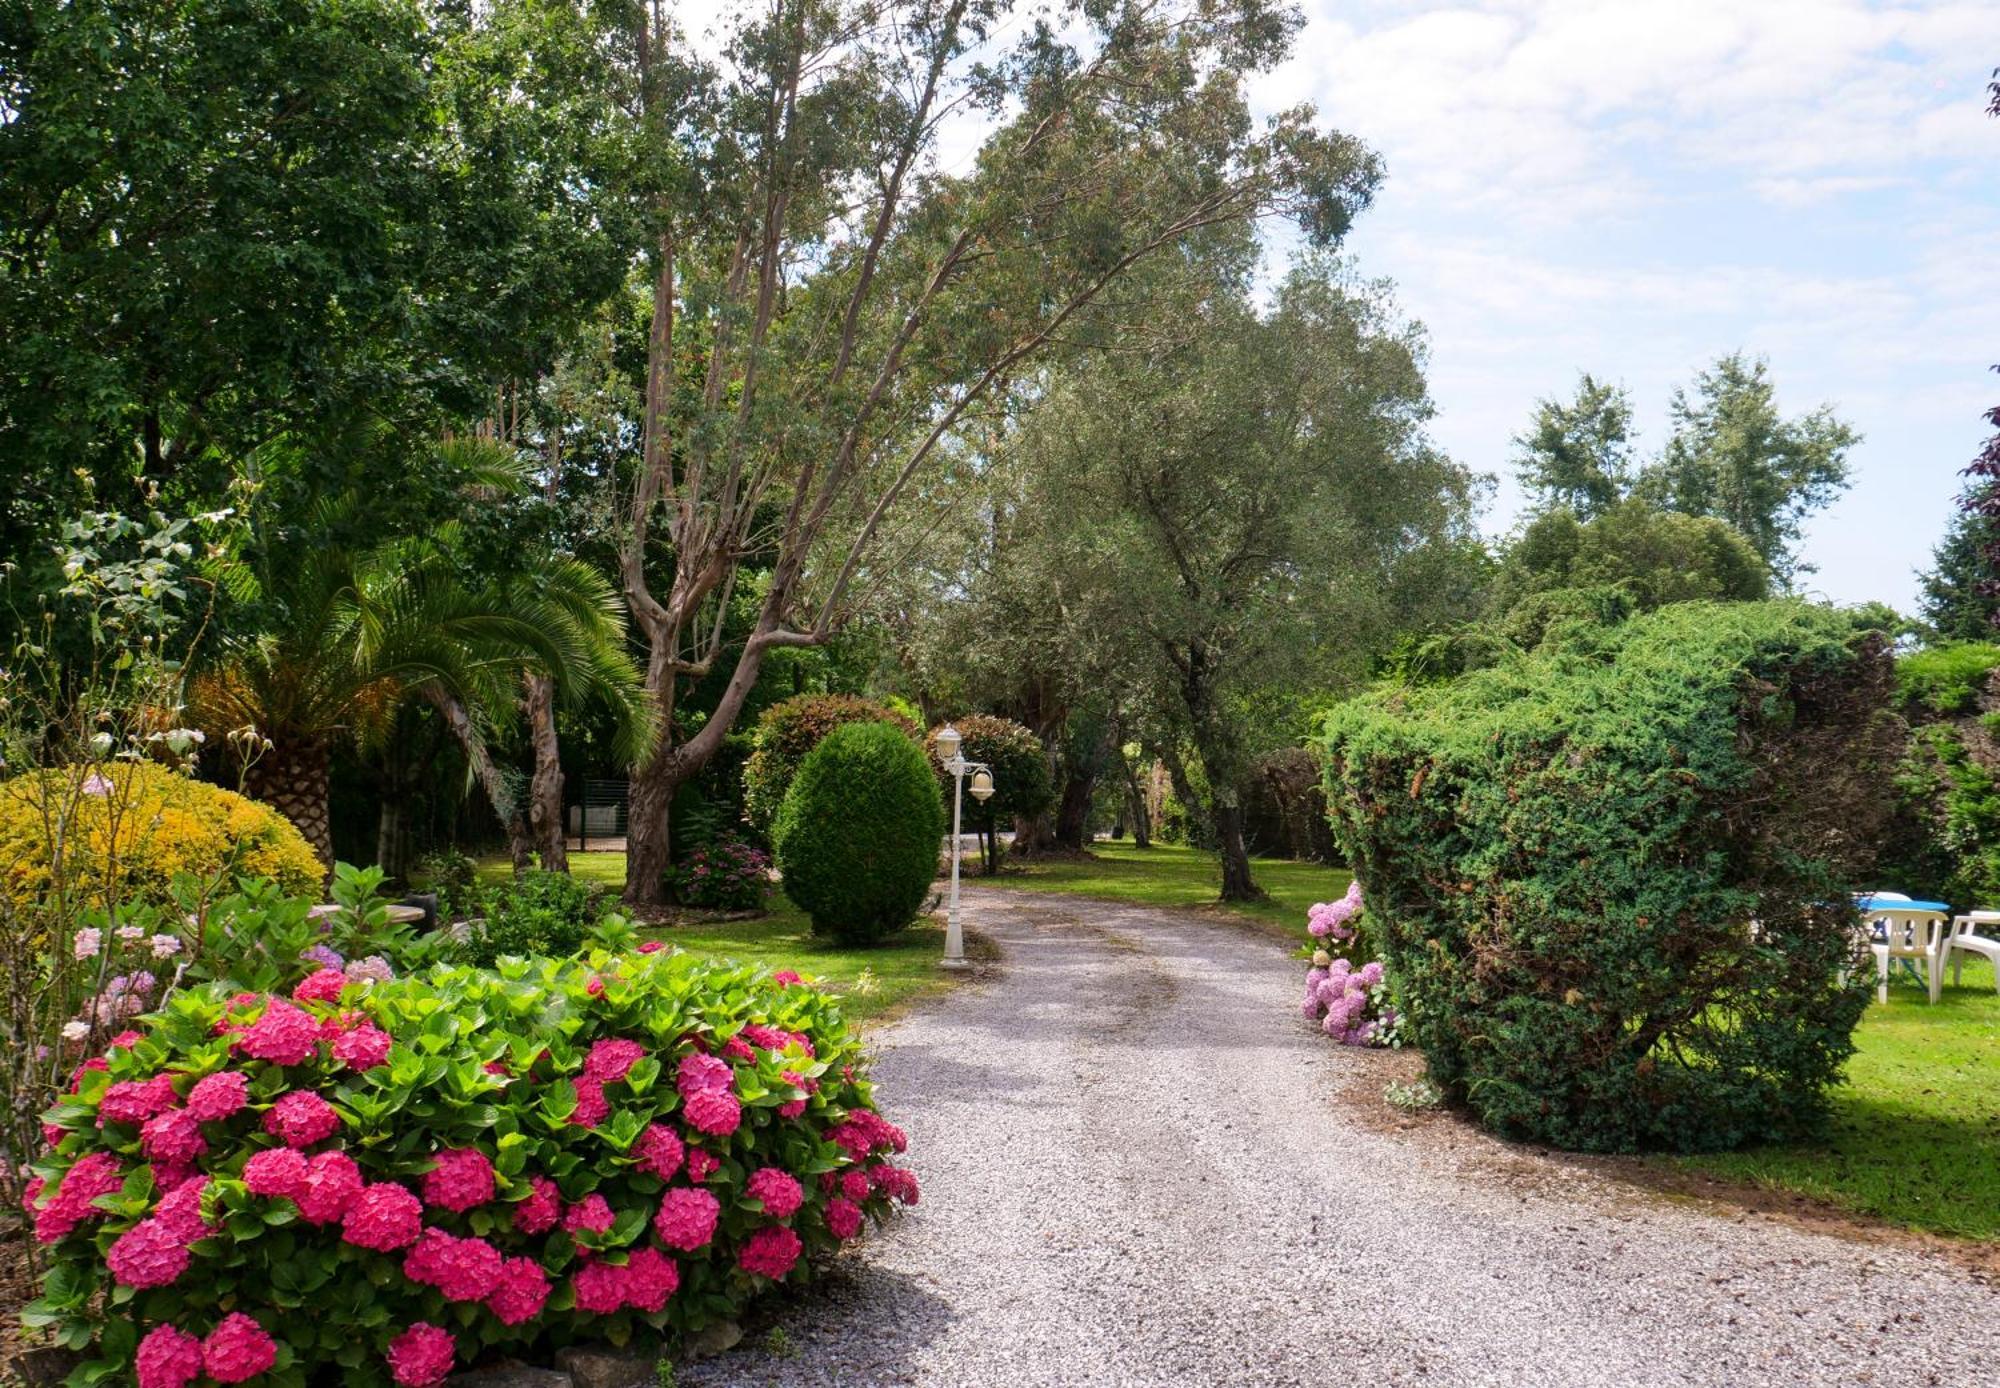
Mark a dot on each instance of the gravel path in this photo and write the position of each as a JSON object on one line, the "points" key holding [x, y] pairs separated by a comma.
{"points": [[1137, 1170]]}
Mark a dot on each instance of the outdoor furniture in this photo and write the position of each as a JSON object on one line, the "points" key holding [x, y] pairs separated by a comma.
{"points": [[1964, 941], [1912, 931]]}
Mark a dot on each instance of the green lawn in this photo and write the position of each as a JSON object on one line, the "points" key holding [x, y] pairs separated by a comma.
{"points": [[1916, 1128], [872, 981], [1165, 875]]}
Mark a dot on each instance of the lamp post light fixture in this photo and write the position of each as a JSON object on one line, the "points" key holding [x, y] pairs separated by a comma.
{"points": [[948, 743]]}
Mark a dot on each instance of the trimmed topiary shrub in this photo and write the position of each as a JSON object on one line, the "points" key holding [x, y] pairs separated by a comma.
{"points": [[132, 827], [1611, 877], [367, 1183], [858, 836], [786, 735]]}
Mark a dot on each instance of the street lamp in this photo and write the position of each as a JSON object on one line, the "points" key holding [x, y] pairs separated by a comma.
{"points": [[948, 742]]}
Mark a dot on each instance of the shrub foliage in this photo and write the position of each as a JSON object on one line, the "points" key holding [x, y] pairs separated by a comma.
{"points": [[1020, 765], [786, 735], [1610, 876], [857, 838], [371, 1182], [142, 825], [545, 913]]}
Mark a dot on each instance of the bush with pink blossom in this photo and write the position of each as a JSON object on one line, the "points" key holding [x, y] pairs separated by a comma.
{"points": [[1351, 1004], [556, 1150]]}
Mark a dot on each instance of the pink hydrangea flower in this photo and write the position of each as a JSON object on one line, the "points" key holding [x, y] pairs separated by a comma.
{"points": [[701, 1164], [770, 1252], [149, 1254], [599, 1288], [592, 1107], [770, 1038], [843, 1217], [611, 1059], [895, 1181], [384, 1217], [736, 1048], [659, 1151], [283, 1035], [180, 1211], [590, 1214], [168, 1358], [322, 986], [785, 978], [700, 1072], [463, 1269], [134, 1101], [523, 1289], [777, 1190], [461, 1180], [237, 1349], [219, 1096], [595, 987], [686, 1219], [332, 1183], [792, 1108], [542, 1209], [301, 1118], [173, 1137], [363, 1048], [275, 1172], [650, 1278], [422, 1355], [75, 1197], [854, 1185], [713, 1111], [124, 1040], [652, 946]]}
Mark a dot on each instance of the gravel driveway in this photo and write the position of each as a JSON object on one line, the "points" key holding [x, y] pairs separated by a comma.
{"points": [[1137, 1170]]}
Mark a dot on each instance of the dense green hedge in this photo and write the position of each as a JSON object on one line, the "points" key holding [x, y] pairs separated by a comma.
{"points": [[857, 838], [1565, 853], [786, 735]]}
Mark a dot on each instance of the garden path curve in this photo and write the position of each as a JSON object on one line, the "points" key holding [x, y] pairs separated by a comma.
{"points": [[1137, 1169]]}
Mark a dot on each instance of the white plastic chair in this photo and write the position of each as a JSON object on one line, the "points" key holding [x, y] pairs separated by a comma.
{"points": [[1908, 934], [1964, 941]]}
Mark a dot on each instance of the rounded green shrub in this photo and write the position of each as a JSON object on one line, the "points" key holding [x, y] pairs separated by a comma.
{"points": [[535, 913], [786, 735], [857, 837], [373, 1182], [1611, 876]]}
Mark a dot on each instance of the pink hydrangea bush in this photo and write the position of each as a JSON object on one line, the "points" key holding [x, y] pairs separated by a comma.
{"points": [[571, 1149], [1351, 1004]]}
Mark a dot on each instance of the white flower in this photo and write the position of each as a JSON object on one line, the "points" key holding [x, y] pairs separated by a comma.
{"points": [[88, 942], [166, 946], [95, 784], [131, 934], [76, 1031]]}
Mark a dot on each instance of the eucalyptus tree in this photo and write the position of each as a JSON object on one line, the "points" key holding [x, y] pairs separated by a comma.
{"points": [[1247, 502], [836, 292], [1577, 454]]}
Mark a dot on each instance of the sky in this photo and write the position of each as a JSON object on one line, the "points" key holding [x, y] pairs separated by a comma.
{"points": [[1634, 187]]}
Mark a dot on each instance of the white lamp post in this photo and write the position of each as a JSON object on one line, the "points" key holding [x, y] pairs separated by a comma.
{"points": [[948, 743]]}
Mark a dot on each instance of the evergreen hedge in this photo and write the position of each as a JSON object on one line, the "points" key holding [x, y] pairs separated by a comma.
{"points": [[1565, 855], [858, 835], [786, 735]]}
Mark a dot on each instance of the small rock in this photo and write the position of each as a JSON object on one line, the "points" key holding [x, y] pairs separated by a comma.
{"points": [[719, 1338], [510, 1375], [606, 1366]]}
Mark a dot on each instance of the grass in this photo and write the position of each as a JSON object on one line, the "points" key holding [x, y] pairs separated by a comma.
{"points": [[873, 982], [1915, 1138], [1167, 875]]}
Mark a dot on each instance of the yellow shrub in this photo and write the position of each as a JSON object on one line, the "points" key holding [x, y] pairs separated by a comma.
{"points": [[164, 823]]}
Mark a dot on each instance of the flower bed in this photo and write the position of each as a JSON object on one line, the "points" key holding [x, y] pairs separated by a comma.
{"points": [[1352, 1005], [384, 1180]]}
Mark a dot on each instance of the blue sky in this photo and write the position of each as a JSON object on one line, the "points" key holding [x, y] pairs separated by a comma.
{"points": [[1633, 187]]}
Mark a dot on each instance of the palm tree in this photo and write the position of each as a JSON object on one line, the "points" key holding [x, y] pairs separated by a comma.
{"points": [[345, 634]]}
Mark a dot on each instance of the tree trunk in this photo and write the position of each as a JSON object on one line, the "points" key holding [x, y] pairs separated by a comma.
{"points": [[1135, 800], [292, 777], [1236, 883], [492, 779], [389, 831], [648, 845], [545, 791], [1072, 829]]}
